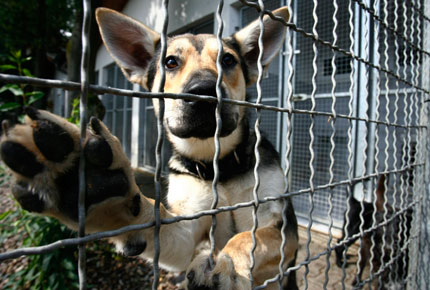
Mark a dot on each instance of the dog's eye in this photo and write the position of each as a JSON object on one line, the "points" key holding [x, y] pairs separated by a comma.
{"points": [[228, 60], [171, 62]]}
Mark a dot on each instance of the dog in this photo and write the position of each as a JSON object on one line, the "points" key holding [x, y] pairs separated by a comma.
{"points": [[357, 209], [373, 241], [43, 156]]}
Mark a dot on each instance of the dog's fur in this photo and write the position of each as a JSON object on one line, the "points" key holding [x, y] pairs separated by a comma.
{"points": [[389, 233], [43, 154]]}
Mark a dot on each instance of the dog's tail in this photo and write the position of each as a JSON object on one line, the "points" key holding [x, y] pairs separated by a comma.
{"points": [[380, 193]]}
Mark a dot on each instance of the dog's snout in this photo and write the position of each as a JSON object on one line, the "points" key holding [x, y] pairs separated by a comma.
{"points": [[205, 88], [202, 88]]}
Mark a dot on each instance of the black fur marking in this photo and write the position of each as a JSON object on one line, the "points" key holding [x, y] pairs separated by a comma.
{"points": [[291, 226], [292, 281], [33, 113], [354, 225], [135, 207], [153, 66], [101, 185], [134, 248], [28, 200], [20, 159], [198, 42], [192, 285], [53, 141], [238, 162], [232, 43], [203, 82], [98, 152], [95, 125], [198, 117]]}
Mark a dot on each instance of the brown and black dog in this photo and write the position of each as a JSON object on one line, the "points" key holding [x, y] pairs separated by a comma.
{"points": [[43, 155], [383, 242]]}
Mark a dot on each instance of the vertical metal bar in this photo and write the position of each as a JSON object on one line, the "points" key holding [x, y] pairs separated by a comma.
{"points": [[311, 143], [350, 129], [258, 141], [403, 161], [217, 130], [136, 114], [67, 104], [407, 148], [363, 109], [423, 269], [374, 150], [417, 181], [125, 125], [83, 122], [159, 147], [424, 239], [393, 276], [288, 124], [387, 132], [333, 144], [114, 100]]}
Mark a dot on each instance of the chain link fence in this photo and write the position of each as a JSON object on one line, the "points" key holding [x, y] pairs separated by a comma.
{"points": [[353, 108]]}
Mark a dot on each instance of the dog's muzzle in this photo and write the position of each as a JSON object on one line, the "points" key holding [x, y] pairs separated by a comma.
{"points": [[196, 118]]}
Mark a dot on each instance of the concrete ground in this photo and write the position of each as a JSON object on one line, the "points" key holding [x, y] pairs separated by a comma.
{"points": [[317, 268]]}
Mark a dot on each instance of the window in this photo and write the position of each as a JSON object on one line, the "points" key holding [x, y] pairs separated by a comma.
{"points": [[118, 108], [271, 91]]}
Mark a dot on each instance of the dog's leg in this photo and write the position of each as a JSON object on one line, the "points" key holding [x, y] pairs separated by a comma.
{"points": [[43, 155], [365, 256], [232, 264]]}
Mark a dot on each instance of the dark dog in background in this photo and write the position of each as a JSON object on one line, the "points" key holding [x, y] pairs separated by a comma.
{"points": [[388, 240], [356, 208]]}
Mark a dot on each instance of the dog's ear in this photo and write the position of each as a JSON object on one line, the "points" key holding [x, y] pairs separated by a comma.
{"points": [[130, 43], [273, 38]]}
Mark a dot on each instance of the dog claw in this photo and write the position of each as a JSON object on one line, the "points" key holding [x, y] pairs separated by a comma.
{"points": [[5, 126], [95, 125], [33, 113], [134, 249]]}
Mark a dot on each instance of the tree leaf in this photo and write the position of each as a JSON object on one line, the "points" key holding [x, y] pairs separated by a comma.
{"points": [[9, 106], [35, 97], [27, 73], [4, 67], [17, 54], [6, 87], [15, 89]]}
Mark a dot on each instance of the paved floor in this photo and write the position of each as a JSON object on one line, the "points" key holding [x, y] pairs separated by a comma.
{"points": [[317, 268]]}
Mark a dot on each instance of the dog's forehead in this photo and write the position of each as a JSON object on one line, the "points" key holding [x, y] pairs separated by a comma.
{"points": [[200, 44]]}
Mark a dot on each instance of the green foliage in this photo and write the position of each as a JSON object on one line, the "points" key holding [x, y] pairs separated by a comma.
{"points": [[24, 95], [32, 25], [53, 270], [94, 108], [75, 113]]}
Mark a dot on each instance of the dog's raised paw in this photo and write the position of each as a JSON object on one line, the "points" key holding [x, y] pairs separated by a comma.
{"points": [[43, 154], [222, 275]]}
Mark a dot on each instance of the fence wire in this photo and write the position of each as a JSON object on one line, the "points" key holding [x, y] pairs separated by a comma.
{"points": [[386, 136]]}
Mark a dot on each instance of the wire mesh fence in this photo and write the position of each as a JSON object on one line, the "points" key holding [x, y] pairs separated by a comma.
{"points": [[350, 107]]}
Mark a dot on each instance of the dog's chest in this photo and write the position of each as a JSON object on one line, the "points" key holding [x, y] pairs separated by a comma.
{"points": [[188, 194]]}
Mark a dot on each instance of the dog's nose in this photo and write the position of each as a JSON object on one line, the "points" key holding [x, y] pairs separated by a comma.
{"points": [[203, 88]]}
